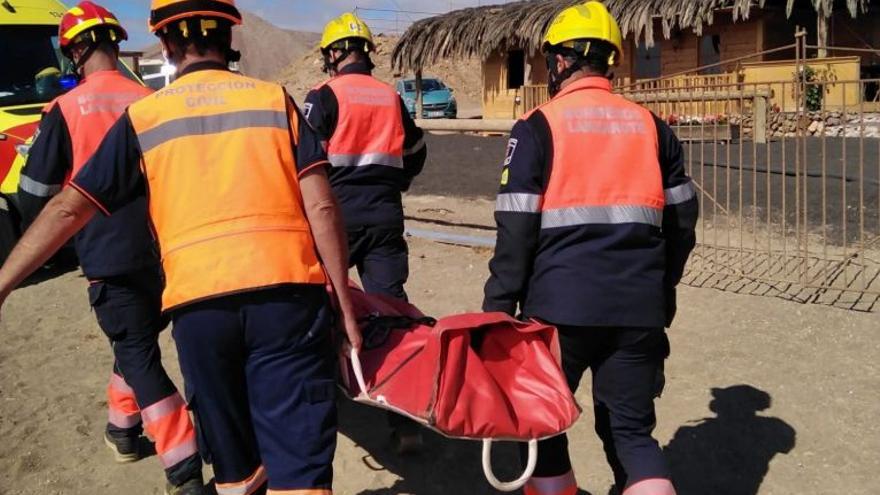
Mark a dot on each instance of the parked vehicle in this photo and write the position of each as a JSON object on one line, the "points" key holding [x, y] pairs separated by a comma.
{"points": [[437, 99], [157, 73], [34, 73]]}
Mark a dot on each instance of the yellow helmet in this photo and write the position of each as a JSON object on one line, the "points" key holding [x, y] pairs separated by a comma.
{"points": [[589, 21], [345, 27]]}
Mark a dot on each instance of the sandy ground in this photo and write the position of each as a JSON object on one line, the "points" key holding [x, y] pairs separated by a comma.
{"points": [[763, 396]]}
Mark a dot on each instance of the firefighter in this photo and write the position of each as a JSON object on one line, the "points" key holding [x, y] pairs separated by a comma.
{"points": [[243, 212], [117, 253], [596, 220], [376, 151]]}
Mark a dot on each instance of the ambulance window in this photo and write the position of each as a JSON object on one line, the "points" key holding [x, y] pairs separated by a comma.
{"points": [[32, 65]]}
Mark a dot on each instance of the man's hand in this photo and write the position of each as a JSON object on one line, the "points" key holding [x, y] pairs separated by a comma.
{"points": [[332, 244], [64, 216], [352, 332]]}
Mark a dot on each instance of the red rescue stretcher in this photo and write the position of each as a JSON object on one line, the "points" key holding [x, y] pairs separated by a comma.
{"points": [[482, 376]]}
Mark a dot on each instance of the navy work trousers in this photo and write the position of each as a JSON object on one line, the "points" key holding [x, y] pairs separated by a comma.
{"points": [[258, 368], [128, 309], [627, 368], [381, 256]]}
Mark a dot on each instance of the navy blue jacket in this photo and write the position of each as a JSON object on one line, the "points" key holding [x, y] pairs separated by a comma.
{"points": [[120, 244], [620, 275], [368, 195]]}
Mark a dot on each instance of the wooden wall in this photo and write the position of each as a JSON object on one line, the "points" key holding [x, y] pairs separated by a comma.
{"points": [[681, 52], [764, 30], [498, 100]]}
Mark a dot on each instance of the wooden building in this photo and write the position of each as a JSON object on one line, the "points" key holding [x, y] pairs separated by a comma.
{"points": [[662, 38]]}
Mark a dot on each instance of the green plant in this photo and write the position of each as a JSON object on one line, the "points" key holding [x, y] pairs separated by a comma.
{"points": [[815, 85], [812, 92]]}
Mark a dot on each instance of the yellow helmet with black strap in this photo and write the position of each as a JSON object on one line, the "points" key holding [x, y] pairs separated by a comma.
{"points": [[585, 32], [347, 27], [581, 24], [346, 33]]}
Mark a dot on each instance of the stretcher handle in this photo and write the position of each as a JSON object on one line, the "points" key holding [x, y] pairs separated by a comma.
{"points": [[509, 486], [358, 372]]}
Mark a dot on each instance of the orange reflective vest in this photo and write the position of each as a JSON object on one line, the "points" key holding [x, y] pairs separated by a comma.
{"points": [[224, 194], [93, 107], [621, 182], [369, 129]]}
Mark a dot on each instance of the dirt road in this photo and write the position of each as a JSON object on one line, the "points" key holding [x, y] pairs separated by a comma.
{"points": [[763, 396]]}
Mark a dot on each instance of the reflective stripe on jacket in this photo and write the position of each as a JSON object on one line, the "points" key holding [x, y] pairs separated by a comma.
{"points": [[595, 214], [369, 130], [224, 194], [605, 167]]}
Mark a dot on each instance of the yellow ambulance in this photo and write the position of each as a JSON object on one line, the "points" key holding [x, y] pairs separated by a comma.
{"points": [[33, 74]]}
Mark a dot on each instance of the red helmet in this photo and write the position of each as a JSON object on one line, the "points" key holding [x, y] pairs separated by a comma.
{"points": [[80, 23]]}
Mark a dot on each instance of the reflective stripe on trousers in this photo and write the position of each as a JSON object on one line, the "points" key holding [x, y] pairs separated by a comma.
{"points": [[167, 421], [244, 487], [122, 409], [305, 491], [565, 484]]}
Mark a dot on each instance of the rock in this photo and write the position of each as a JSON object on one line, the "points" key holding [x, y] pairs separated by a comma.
{"points": [[813, 127]]}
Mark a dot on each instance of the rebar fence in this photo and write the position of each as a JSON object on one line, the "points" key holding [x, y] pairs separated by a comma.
{"points": [[788, 173]]}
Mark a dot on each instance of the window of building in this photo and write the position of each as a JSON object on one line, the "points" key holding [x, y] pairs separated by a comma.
{"points": [[710, 53], [647, 62], [516, 69]]}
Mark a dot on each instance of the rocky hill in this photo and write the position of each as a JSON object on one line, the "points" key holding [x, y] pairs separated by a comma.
{"points": [[463, 76], [266, 48]]}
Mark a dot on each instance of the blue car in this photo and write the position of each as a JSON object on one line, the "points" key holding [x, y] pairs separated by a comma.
{"points": [[437, 98]]}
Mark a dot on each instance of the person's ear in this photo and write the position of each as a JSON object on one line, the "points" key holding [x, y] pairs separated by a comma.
{"points": [[166, 50], [561, 65]]}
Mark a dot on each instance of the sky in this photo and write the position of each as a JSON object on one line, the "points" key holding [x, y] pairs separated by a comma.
{"points": [[305, 15]]}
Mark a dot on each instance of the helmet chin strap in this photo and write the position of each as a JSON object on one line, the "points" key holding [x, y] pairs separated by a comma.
{"points": [[556, 78], [79, 65], [333, 66]]}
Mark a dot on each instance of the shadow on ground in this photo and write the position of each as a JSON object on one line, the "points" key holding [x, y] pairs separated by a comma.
{"points": [[730, 453], [443, 467]]}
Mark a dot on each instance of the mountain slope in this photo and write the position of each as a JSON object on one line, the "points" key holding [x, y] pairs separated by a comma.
{"points": [[463, 76], [266, 49]]}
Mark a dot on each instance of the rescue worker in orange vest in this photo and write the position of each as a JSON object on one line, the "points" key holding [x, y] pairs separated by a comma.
{"points": [[249, 233], [596, 220], [117, 253], [376, 151]]}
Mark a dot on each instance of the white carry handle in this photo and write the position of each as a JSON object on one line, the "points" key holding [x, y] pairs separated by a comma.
{"points": [[509, 486], [358, 372]]}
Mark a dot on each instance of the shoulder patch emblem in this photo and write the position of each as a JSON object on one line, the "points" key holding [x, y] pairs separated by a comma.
{"points": [[307, 110], [511, 150]]}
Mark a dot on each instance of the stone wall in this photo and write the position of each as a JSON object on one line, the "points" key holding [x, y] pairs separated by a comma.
{"points": [[829, 124]]}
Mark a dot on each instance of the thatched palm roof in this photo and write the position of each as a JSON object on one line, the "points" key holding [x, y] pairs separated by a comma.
{"points": [[482, 30]]}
